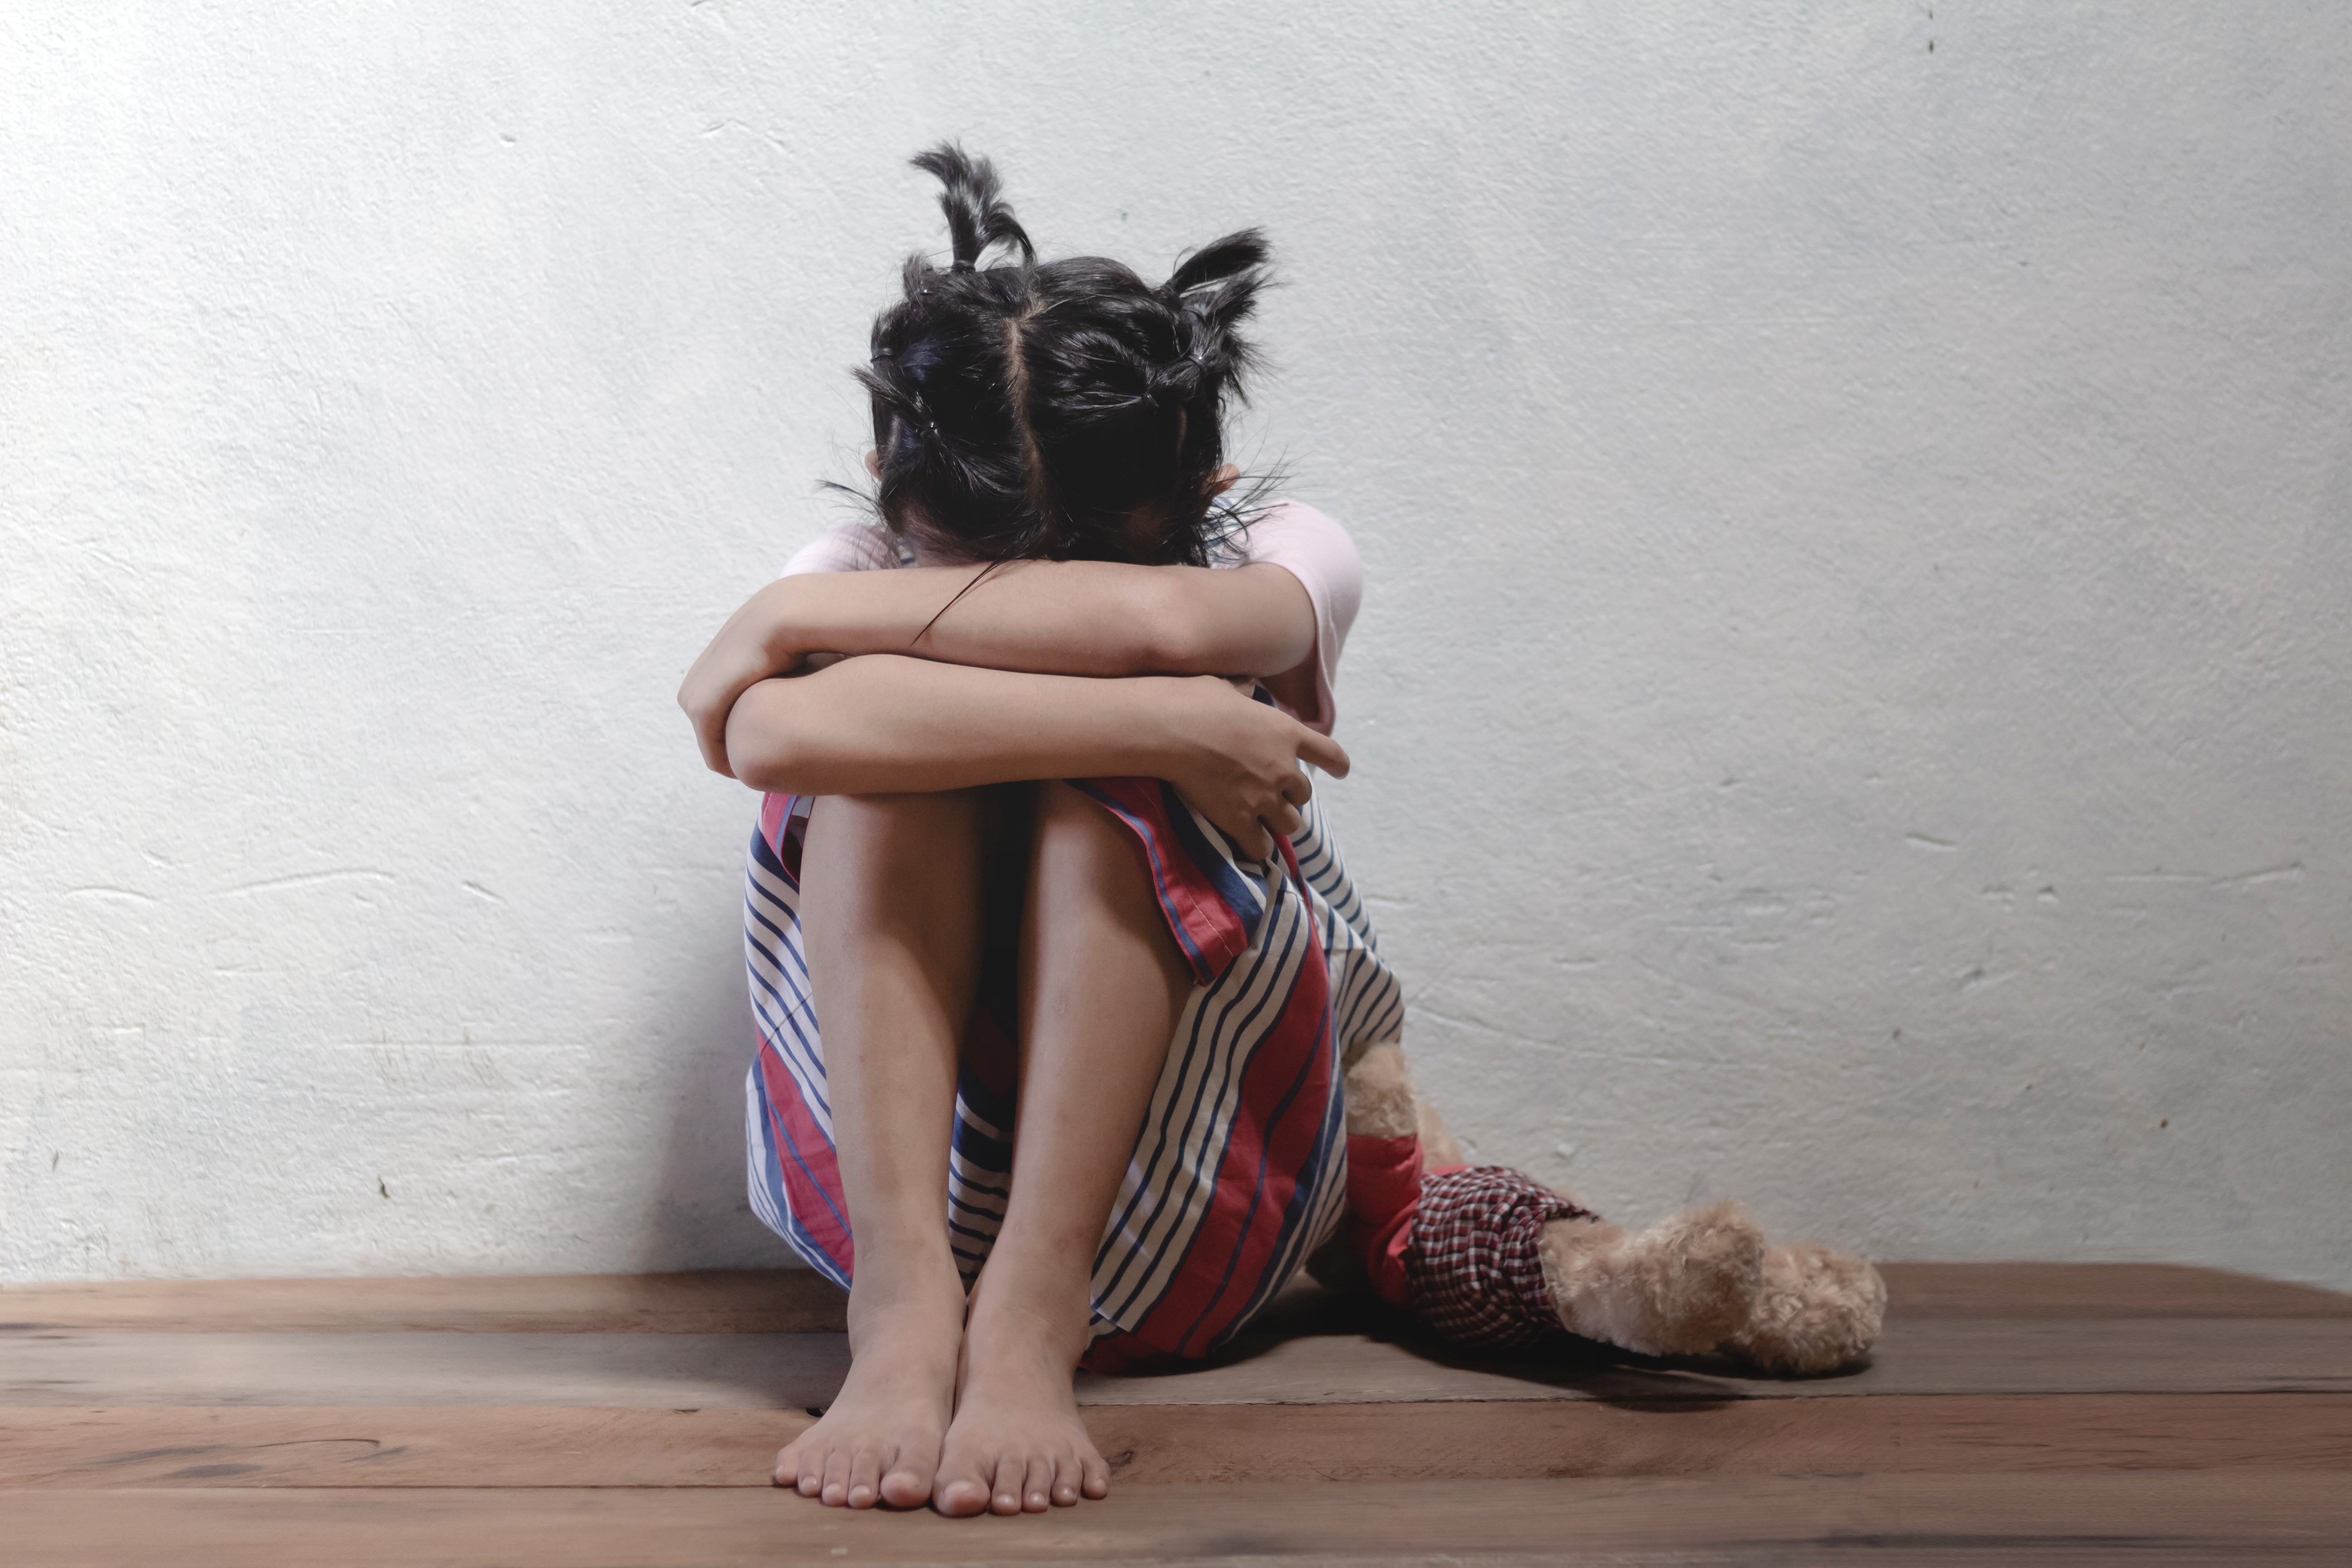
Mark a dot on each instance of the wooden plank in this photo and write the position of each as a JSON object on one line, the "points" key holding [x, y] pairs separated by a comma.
{"points": [[1902, 1434], [2147, 1355], [770, 1301], [2143, 1355], [2006, 1519], [2098, 1290], [796, 1300], [413, 1446], [450, 1445], [666, 1370]]}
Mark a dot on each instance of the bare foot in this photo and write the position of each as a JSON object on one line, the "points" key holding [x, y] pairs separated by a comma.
{"points": [[879, 1441], [1017, 1444]]}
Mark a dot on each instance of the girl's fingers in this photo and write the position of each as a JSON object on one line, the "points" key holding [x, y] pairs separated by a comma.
{"points": [[1286, 820], [1297, 789], [713, 736], [1324, 752]]}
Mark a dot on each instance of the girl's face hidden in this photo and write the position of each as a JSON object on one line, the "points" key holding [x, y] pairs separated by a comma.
{"points": [[930, 552]]}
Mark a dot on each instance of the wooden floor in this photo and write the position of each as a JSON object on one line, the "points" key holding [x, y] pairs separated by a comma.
{"points": [[2013, 1414]]}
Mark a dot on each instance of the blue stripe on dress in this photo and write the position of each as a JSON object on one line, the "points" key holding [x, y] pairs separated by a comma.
{"points": [[1188, 1183], [779, 1196], [1258, 1196]]}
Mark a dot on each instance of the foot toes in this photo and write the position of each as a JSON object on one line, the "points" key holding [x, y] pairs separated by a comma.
{"points": [[904, 1486], [1068, 1475], [807, 1473], [1004, 1496], [961, 1496], [1037, 1486], [835, 1491], [865, 1478]]}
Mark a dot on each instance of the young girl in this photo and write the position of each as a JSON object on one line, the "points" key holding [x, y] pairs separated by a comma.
{"points": [[1039, 850]]}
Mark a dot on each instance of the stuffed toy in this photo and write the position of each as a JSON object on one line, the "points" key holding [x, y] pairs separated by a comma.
{"points": [[1485, 1256]]}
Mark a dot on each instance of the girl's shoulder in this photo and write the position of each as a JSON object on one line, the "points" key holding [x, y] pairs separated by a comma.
{"points": [[1313, 547], [1285, 524], [860, 545]]}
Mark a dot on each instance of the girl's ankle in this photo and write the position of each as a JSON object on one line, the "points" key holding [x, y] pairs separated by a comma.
{"points": [[911, 1301], [1019, 1325]]}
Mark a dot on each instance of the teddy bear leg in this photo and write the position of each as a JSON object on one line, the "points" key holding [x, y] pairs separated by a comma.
{"points": [[1819, 1309], [1677, 1289], [1381, 1098], [1437, 1144], [1384, 1174]]}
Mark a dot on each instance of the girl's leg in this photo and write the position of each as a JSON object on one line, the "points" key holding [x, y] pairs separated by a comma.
{"points": [[1102, 986], [890, 900]]}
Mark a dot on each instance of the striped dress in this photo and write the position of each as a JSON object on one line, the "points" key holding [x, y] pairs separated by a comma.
{"points": [[1239, 1170]]}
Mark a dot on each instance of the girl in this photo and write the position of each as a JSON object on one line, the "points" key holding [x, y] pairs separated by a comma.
{"points": [[1040, 852]]}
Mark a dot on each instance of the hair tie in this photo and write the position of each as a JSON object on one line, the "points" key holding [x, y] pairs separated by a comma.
{"points": [[960, 265]]}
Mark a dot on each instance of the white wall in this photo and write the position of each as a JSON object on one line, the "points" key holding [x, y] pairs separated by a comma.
{"points": [[1850, 712]]}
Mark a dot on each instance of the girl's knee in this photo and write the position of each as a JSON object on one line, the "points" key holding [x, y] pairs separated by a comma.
{"points": [[892, 815], [1079, 842], [1068, 817], [1058, 799], [881, 851]]}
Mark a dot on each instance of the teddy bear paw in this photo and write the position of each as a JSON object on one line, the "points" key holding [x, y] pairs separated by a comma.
{"points": [[1819, 1309], [1677, 1289]]}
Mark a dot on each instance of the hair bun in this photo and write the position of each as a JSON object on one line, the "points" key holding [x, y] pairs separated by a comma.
{"points": [[978, 214], [1212, 292]]}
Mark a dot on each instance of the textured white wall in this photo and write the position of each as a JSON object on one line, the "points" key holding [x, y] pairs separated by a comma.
{"points": [[1850, 709]]}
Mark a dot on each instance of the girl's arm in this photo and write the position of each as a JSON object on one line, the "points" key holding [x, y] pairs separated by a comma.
{"points": [[885, 724], [1053, 617], [1056, 618]]}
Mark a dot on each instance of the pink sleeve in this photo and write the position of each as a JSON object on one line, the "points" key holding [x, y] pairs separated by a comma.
{"points": [[1318, 553], [851, 547]]}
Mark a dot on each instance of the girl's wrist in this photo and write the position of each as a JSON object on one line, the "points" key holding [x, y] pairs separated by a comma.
{"points": [[840, 612], [1176, 721], [785, 621]]}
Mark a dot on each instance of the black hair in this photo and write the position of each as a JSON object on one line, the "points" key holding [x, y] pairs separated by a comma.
{"points": [[1065, 410]]}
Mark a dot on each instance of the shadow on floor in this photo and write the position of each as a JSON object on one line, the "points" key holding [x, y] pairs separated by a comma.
{"points": [[1307, 1310]]}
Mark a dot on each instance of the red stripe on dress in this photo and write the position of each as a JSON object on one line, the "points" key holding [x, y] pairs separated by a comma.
{"points": [[1208, 927], [1116, 1351], [1257, 1178], [804, 1156]]}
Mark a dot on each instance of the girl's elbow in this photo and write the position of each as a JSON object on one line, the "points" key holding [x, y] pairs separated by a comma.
{"points": [[1176, 633], [764, 766], [1226, 622], [767, 774], [764, 748]]}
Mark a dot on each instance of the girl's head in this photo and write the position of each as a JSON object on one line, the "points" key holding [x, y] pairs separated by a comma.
{"points": [[1066, 410]]}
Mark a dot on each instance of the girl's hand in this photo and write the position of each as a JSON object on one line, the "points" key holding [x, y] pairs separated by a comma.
{"points": [[744, 653], [1239, 762]]}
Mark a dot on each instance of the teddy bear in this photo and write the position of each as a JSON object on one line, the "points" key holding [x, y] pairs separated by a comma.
{"points": [[1488, 1257]]}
